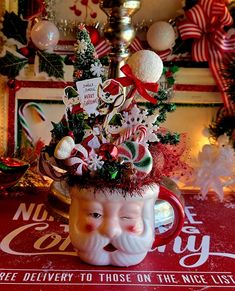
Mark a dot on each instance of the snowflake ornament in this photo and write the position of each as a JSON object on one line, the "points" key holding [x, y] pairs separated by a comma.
{"points": [[141, 116], [97, 69], [94, 161], [81, 46], [216, 168]]}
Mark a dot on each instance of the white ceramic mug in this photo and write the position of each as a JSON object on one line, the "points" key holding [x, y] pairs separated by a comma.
{"points": [[113, 227]]}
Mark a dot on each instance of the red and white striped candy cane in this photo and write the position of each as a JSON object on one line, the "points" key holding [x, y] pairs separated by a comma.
{"points": [[129, 132], [23, 121], [140, 133]]}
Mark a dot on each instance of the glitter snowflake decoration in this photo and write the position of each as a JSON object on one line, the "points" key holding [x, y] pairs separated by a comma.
{"points": [[215, 169], [81, 46], [95, 162], [141, 116], [97, 69]]}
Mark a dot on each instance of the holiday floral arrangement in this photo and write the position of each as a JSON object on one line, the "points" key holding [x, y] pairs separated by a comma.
{"points": [[108, 137]]}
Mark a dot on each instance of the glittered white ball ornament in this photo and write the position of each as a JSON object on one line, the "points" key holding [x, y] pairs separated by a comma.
{"points": [[146, 65], [161, 36], [45, 35]]}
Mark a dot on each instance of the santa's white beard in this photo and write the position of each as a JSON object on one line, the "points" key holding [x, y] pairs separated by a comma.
{"points": [[130, 249]]}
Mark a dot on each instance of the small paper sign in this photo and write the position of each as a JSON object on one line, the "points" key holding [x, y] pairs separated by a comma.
{"points": [[88, 95]]}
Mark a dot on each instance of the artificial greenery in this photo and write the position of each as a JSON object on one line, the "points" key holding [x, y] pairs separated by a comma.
{"points": [[51, 63], [85, 56], [163, 105], [11, 64], [15, 27]]}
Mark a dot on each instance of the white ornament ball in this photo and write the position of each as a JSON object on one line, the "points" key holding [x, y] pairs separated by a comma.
{"points": [[146, 65], [45, 35], [161, 36]]}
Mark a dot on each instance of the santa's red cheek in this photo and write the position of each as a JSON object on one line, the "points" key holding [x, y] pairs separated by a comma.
{"points": [[131, 228], [89, 227]]}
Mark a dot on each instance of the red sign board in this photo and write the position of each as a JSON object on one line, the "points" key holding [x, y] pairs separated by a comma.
{"points": [[36, 253]]}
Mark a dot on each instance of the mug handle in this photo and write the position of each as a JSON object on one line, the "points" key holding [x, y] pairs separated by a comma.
{"points": [[168, 196]]}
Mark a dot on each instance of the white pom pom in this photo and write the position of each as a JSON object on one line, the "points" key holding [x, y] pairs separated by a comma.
{"points": [[146, 65], [161, 36], [64, 148]]}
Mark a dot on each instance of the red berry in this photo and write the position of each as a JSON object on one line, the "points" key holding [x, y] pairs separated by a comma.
{"points": [[78, 12], [24, 51], [84, 2], [93, 15]]}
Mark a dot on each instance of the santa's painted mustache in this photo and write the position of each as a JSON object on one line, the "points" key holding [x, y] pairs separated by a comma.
{"points": [[94, 247]]}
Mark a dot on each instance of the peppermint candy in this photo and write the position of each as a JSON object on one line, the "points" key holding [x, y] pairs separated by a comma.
{"points": [[78, 163], [137, 154], [46, 167]]}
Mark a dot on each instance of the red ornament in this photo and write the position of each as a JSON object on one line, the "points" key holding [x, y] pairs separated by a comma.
{"points": [[108, 152], [25, 51], [94, 35], [13, 84], [71, 134]]}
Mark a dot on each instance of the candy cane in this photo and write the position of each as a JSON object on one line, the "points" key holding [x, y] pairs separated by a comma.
{"points": [[23, 121], [140, 133], [137, 154], [130, 132]]}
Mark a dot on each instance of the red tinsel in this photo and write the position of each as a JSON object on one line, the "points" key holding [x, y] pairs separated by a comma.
{"points": [[170, 160]]}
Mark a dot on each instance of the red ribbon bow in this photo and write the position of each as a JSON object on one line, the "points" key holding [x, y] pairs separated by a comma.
{"points": [[139, 86], [205, 23]]}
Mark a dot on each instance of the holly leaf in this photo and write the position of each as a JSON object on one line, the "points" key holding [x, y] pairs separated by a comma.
{"points": [[59, 131], [15, 27], [52, 64], [10, 64]]}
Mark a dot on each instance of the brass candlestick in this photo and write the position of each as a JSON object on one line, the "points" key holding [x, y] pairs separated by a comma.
{"points": [[119, 31]]}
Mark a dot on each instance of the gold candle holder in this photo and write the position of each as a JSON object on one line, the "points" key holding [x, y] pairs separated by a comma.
{"points": [[119, 31]]}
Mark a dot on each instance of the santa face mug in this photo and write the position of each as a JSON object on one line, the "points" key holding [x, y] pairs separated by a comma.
{"points": [[110, 227]]}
